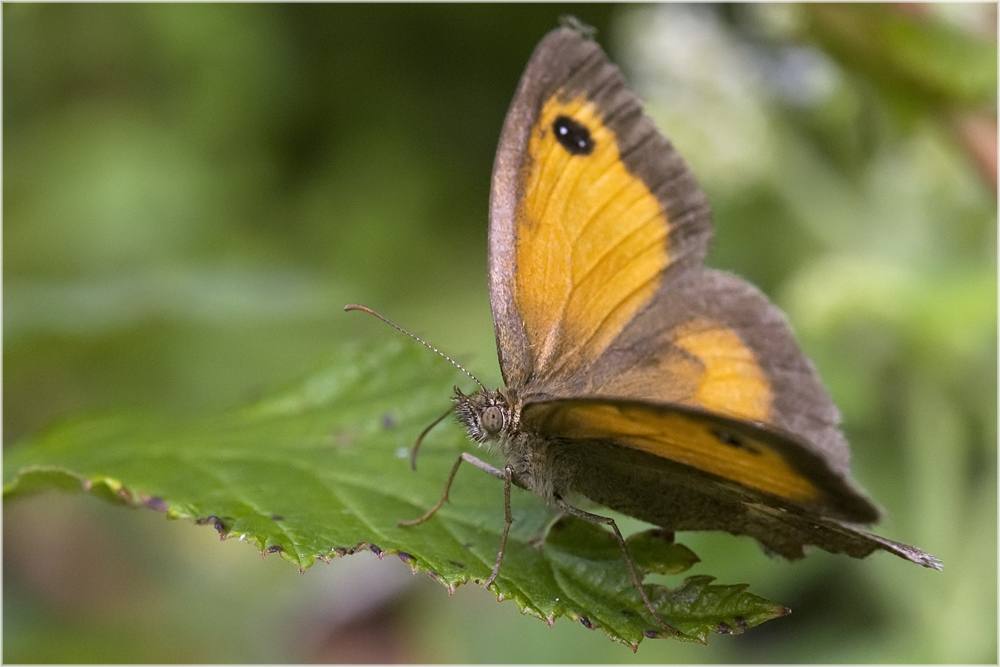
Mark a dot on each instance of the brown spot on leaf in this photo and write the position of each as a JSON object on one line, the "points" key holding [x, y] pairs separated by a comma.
{"points": [[156, 503], [215, 522], [586, 623]]}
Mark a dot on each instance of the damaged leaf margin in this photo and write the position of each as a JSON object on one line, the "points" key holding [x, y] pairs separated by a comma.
{"points": [[321, 469]]}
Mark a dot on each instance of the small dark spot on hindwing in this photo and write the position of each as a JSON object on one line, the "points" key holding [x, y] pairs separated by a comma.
{"points": [[727, 438]]}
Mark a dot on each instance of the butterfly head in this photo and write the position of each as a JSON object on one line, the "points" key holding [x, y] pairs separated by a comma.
{"points": [[486, 415]]}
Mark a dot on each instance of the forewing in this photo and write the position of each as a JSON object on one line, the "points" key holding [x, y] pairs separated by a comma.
{"points": [[582, 237]]}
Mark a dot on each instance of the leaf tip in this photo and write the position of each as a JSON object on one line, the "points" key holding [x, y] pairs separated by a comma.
{"points": [[273, 549]]}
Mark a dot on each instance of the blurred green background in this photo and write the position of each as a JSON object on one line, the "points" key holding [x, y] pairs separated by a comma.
{"points": [[192, 192]]}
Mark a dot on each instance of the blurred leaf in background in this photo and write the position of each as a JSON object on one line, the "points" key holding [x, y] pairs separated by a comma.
{"points": [[192, 192]]}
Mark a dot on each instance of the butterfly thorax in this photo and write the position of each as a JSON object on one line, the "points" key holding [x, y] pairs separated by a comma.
{"points": [[493, 418]]}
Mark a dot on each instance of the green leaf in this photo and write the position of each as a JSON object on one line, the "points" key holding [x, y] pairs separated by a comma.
{"points": [[588, 563], [321, 469]]}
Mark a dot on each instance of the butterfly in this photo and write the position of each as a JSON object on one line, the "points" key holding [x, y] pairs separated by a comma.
{"points": [[634, 376]]}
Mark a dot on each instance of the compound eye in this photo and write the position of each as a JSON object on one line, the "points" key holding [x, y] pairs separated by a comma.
{"points": [[492, 419]]}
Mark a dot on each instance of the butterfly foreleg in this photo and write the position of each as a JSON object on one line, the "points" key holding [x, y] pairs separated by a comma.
{"points": [[482, 465], [506, 475], [423, 434], [636, 580]]}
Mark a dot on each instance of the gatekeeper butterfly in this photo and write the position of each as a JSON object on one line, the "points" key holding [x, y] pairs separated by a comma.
{"points": [[636, 377]]}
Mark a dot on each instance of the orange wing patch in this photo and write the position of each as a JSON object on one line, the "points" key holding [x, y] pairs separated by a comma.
{"points": [[685, 439], [733, 383], [591, 241], [700, 364]]}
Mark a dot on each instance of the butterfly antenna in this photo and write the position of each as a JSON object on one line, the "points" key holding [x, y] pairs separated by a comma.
{"points": [[354, 306]]}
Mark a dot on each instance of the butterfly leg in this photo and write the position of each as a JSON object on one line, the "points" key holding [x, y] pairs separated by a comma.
{"points": [[636, 581], [482, 465], [508, 519], [420, 438], [506, 475]]}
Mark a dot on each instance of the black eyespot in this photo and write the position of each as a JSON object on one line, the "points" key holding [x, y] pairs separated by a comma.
{"points": [[574, 136], [728, 438]]}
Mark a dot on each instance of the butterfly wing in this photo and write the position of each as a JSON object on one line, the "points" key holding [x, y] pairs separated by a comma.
{"points": [[591, 211], [727, 454], [713, 343], [597, 234], [679, 497], [670, 392]]}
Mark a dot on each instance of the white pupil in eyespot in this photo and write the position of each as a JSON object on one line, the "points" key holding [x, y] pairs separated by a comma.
{"points": [[492, 419]]}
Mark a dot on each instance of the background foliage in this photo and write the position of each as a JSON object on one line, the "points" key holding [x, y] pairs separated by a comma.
{"points": [[192, 192]]}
